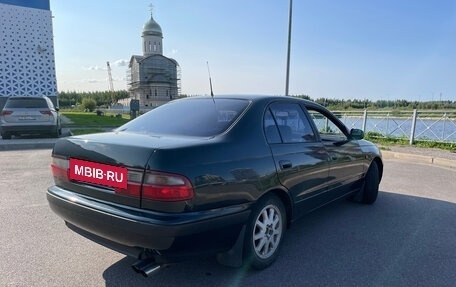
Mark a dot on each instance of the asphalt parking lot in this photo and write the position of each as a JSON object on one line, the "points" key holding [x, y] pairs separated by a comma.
{"points": [[407, 238]]}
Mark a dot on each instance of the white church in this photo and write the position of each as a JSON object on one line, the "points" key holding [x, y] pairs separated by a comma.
{"points": [[154, 78]]}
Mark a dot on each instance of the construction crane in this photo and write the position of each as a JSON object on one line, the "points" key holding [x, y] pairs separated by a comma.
{"points": [[111, 86]]}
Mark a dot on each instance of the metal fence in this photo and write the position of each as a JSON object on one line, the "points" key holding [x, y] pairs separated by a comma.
{"points": [[411, 125]]}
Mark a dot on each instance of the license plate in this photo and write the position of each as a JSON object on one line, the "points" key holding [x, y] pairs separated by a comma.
{"points": [[26, 118], [98, 173]]}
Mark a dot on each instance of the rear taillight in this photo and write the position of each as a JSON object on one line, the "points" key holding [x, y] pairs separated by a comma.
{"points": [[60, 168], [158, 186], [162, 186], [6, 112], [47, 112]]}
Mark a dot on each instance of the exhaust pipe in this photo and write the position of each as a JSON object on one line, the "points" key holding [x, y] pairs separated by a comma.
{"points": [[145, 267]]}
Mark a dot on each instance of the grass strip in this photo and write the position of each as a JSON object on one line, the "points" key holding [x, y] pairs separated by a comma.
{"points": [[93, 120]]}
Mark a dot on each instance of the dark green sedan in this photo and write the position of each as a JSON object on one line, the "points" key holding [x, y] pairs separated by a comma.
{"points": [[224, 176]]}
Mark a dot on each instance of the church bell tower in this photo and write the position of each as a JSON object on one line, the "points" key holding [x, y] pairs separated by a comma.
{"points": [[152, 37]]}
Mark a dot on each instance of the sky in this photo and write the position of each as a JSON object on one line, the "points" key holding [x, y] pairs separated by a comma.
{"points": [[352, 49]]}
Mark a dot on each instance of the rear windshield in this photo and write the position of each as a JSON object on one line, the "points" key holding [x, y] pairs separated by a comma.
{"points": [[26, 103], [191, 117]]}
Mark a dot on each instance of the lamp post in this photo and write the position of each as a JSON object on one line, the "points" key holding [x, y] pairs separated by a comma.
{"points": [[287, 80]]}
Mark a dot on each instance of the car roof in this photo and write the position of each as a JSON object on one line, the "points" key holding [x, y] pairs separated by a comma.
{"points": [[26, 97], [241, 96], [256, 98]]}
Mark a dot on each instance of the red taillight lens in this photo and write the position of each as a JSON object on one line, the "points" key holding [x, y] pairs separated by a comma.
{"points": [[60, 168], [162, 186], [46, 112], [158, 186], [6, 112]]}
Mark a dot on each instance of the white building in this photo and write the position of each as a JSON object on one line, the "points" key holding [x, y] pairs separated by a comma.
{"points": [[27, 66], [153, 78]]}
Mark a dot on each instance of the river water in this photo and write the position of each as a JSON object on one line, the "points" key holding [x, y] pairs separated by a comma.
{"points": [[443, 129]]}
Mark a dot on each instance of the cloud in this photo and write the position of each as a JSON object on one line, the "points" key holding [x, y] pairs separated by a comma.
{"points": [[95, 68], [121, 63], [115, 79], [174, 51], [93, 81], [118, 63]]}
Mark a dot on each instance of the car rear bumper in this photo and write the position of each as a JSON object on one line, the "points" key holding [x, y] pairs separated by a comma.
{"points": [[171, 235], [41, 128]]}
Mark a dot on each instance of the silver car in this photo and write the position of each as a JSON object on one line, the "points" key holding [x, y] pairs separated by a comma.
{"points": [[29, 115]]}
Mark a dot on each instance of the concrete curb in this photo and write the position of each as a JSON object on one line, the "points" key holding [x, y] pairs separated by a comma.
{"points": [[24, 146], [416, 158], [31, 143]]}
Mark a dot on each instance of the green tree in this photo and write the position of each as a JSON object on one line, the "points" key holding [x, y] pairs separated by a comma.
{"points": [[89, 104], [102, 98]]}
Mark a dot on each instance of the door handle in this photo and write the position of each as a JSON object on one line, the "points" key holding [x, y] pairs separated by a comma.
{"points": [[285, 164]]}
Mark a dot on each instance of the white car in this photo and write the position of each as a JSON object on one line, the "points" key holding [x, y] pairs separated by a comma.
{"points": [[29, 115]]}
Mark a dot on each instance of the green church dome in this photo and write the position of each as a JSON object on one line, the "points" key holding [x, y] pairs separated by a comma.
{"points": [[152, 28]]}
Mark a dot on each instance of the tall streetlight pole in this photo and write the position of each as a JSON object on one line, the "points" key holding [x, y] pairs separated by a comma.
{"points": [[287, 80]]}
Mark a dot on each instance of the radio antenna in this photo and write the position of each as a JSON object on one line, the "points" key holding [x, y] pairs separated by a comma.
{"points": [[210, 80]]}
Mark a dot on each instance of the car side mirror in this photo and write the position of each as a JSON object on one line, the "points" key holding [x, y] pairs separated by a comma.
{"points": [[356, 134], [57, 109]]}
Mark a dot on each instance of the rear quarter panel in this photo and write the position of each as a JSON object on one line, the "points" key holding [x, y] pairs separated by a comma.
{"points": [[233, 168]]}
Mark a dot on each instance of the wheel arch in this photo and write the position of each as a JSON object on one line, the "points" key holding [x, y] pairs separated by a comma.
{"points": [[284, 196], [379, 163]]}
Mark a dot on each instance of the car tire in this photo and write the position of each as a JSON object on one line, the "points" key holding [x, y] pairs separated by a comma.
{"points": [[371, 183], [265, 232], [56, 134], [6, 136]]}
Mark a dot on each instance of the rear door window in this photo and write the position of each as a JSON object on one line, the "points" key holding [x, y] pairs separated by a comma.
{"points": [[289, 121]]}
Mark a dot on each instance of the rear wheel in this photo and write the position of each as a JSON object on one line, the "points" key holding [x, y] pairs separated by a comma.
{"points": [[265, 232], [6, 136], [57, 132]]}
